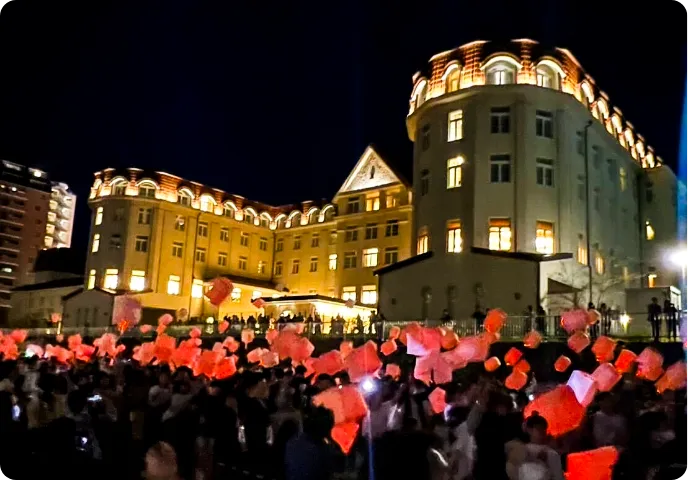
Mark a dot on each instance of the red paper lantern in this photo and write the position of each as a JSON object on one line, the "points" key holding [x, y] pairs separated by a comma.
{"points": [[195, 332], [423, 342], [562, 364], [624, 361], [362, 361], [388, 347], [560, 408], [532, 339], [437, 400], [146, 329], [673, 379], [247, 336], [606, 377], [394, 332], [473, 349], [219, 290], [492, 364], [271, 335], [449, 339], [165, 319], [650, 363], [495, 320], [223, 326], [574, 320], [344, 435], [19, 336], [603, 349], [328, 363], [583, 386], [346, 403], [593, 317], [225, 368], [595, 464], [413, 327], [578, 341], [522, 366], [346, 347], [393, 370], [512, 356], [516, 380]]}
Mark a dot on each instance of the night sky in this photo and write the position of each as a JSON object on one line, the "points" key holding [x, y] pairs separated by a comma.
{"points": [[277, 100]]}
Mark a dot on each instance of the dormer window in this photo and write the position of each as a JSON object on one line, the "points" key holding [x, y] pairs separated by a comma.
{"points": [[184, 198], [501, 74]]}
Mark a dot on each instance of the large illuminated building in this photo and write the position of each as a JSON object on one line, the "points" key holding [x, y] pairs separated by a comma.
{"points": [[163, 239], [520, 157]]}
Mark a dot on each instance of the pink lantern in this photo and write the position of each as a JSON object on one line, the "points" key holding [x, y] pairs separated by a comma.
{"points": [[516, 380], [578, 341], [437, 400], [606, 377], [512, 356], [388, 347], [624, 361], [603, 349], [220, 289], [560, 408], [495, 320], [532, 339], [584, 387], [574, 320], [492, 364]]}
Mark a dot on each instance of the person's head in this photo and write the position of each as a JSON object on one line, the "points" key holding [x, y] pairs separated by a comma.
{"points": [[654, 300], [164, 378], [318, 423], [161, 462], [256, 386], [324, 381], [536, 428], [76, 401]]}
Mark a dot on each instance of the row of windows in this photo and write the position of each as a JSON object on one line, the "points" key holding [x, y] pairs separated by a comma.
{"points": [[368, 294], [369, 259], [350, 235], [372, 203]]}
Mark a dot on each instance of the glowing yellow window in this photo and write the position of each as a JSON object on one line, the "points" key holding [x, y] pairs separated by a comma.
{"points": [[138, 280], [544, 238], [236, 295], [599, 263], [91, 280], [499, 234], [174, 284], [111, 280], [370, 257], [649, 231], [454, 172], [454, 241], [197, 288], [349, 293], [372, 204], [652, 280], [582, 255], [423, 241], [455, 126], [369, 294], [622, 179], [332, 264], [96, 243], [99, 215]]}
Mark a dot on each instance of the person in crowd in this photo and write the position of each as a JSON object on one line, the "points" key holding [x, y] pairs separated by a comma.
{"points": [[654, 316], [595, 327], [307, 455], [671, 319], [608, 426], [478, 318], [540, 320], [161, 463]]}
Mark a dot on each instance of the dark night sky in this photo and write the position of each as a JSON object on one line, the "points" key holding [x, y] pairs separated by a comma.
{"points": [[277, 103]]}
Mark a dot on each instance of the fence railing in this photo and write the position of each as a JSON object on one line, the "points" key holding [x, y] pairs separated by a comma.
{"points": [[634, 327]]}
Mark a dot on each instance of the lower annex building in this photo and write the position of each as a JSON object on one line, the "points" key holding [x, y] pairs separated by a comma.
{"points": [[163, 239]]}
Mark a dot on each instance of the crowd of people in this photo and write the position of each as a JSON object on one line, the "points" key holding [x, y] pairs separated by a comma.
{"points": [[119, 419]]}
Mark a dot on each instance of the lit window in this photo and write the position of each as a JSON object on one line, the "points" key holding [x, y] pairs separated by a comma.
{"points": [[120, 188], [370, 257], [455, 126], [350, 260], [423, 240], [111, 280], [207, 204], [315, 241], [174, 285], [652, 280], [313, 265], [453, 81], [222, 259], [372, 204], [96, 243], [369, 294], [295, 264], [544, 125], [500, 118], [544, 238], [297, 243], [138, 280], [141, 244], [200, 254], [229, 211], [391, 255], [224, 235], [261, 266], [256, 294], [99, 215], [454, 241], [499, 237], [263, 244], [500, 168], [622, 179], [332, 262], [544, 172], [582, 251], [278, 269], [177, 249], [249, 218], [649, 231], [243, 263], [236, 295], [500, 75], [179, 223], [244, 240], [144, 216], [197, 288], [349, 293], [203, 229], [454, 172], [391, 200], [599, 263], [91, 280]]}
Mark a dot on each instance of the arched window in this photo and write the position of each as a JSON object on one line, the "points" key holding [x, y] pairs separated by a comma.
{"points": [[328, 212], [207, 203], [147, 189], [119, 186], [452, 78], [419, 93], [501, 70], [249, 216], [184, 197]]}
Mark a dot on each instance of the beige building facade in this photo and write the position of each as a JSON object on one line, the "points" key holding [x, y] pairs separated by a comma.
{"points": [[517, 150], [163, 240]]}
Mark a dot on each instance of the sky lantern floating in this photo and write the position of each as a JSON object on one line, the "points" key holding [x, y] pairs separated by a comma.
{"points": [[673, 379], [9, 348], [205, 363], [254, 355], [269, 359], [195, 332], [625, 361], [346, 403], [328, 363], [122, 326], [532, 339], [603, 348], [424, 341], [303, 349], [492, 364], [126, 309], [73, 341], [473, 349], [84, 352], [61, 354], [271, 335], [606, 377], [595, 464], [412, 327], [146, 329], [344, 435], [165, 347], [144, 353], [394, 332], [593, 316], [225, 368], [284, 343], [247, 336], [308, 363], [34, 350], [578, 342], [433, 368], [362, 361], [650, 363], [107, 345], [223, 326], [220, 289], [19, 335], [165, 319], [559, 407], [583, 386], [562, 364], [185, 354], [346, 347], [512, 356], [437, 399], [574, 320], [494, 321], [522, 366], [231, 344], [393, 370], [388, 347], [449, 339], [516, 380]]}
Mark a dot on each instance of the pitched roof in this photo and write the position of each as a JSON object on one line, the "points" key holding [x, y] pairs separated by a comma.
{"points": [[59, 283], [370, 171]]}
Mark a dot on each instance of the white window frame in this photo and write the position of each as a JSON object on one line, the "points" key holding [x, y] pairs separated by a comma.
{"points": [[455, 125], [454, 172], [137, 282], [370, 257]]}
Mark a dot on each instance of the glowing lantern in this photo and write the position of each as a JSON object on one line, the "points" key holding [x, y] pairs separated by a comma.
{"points": [[225, 368], [165, 319], [344, 435], [223, 326], [302, 349], [532, 339], [473, 349], [362, 361], [650, 363], [346, 347], [512, 356], [165, 347], [522, 366], [437, 400], [603, 348], [433, 367], [495, 320], [492, 364], [346, 403], [606, 377], [329, 363], [126, 309], [593, 317], [595, 464], [144, 353], [268, 359], [388, 347], [254, 355], [449, 340], [394, 332], [560, 408], [516, 380], [73, 341], [584, 387], [562, 364], [578, 341], [59, 338], [423, 342], [34, 350], [19, 336], [673, 379], [413, 328], [574, 320], [84, 352], [271, 335], [62, 355], [624, 361], [247, 336], [195, 332], [219, 290], [161, 329], [146, 329], [205, 363], [454, 359], [393, 370], [231, 344]]}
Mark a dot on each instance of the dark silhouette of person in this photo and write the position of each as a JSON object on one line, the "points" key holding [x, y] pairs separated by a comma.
{"points": [[594, 328], [479, 317], [540, 320], [670, 317], [654, 316], [605, 318]]}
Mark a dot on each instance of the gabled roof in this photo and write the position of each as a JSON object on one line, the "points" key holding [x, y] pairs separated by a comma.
{"points": [[370, 171], [59, 283]]}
